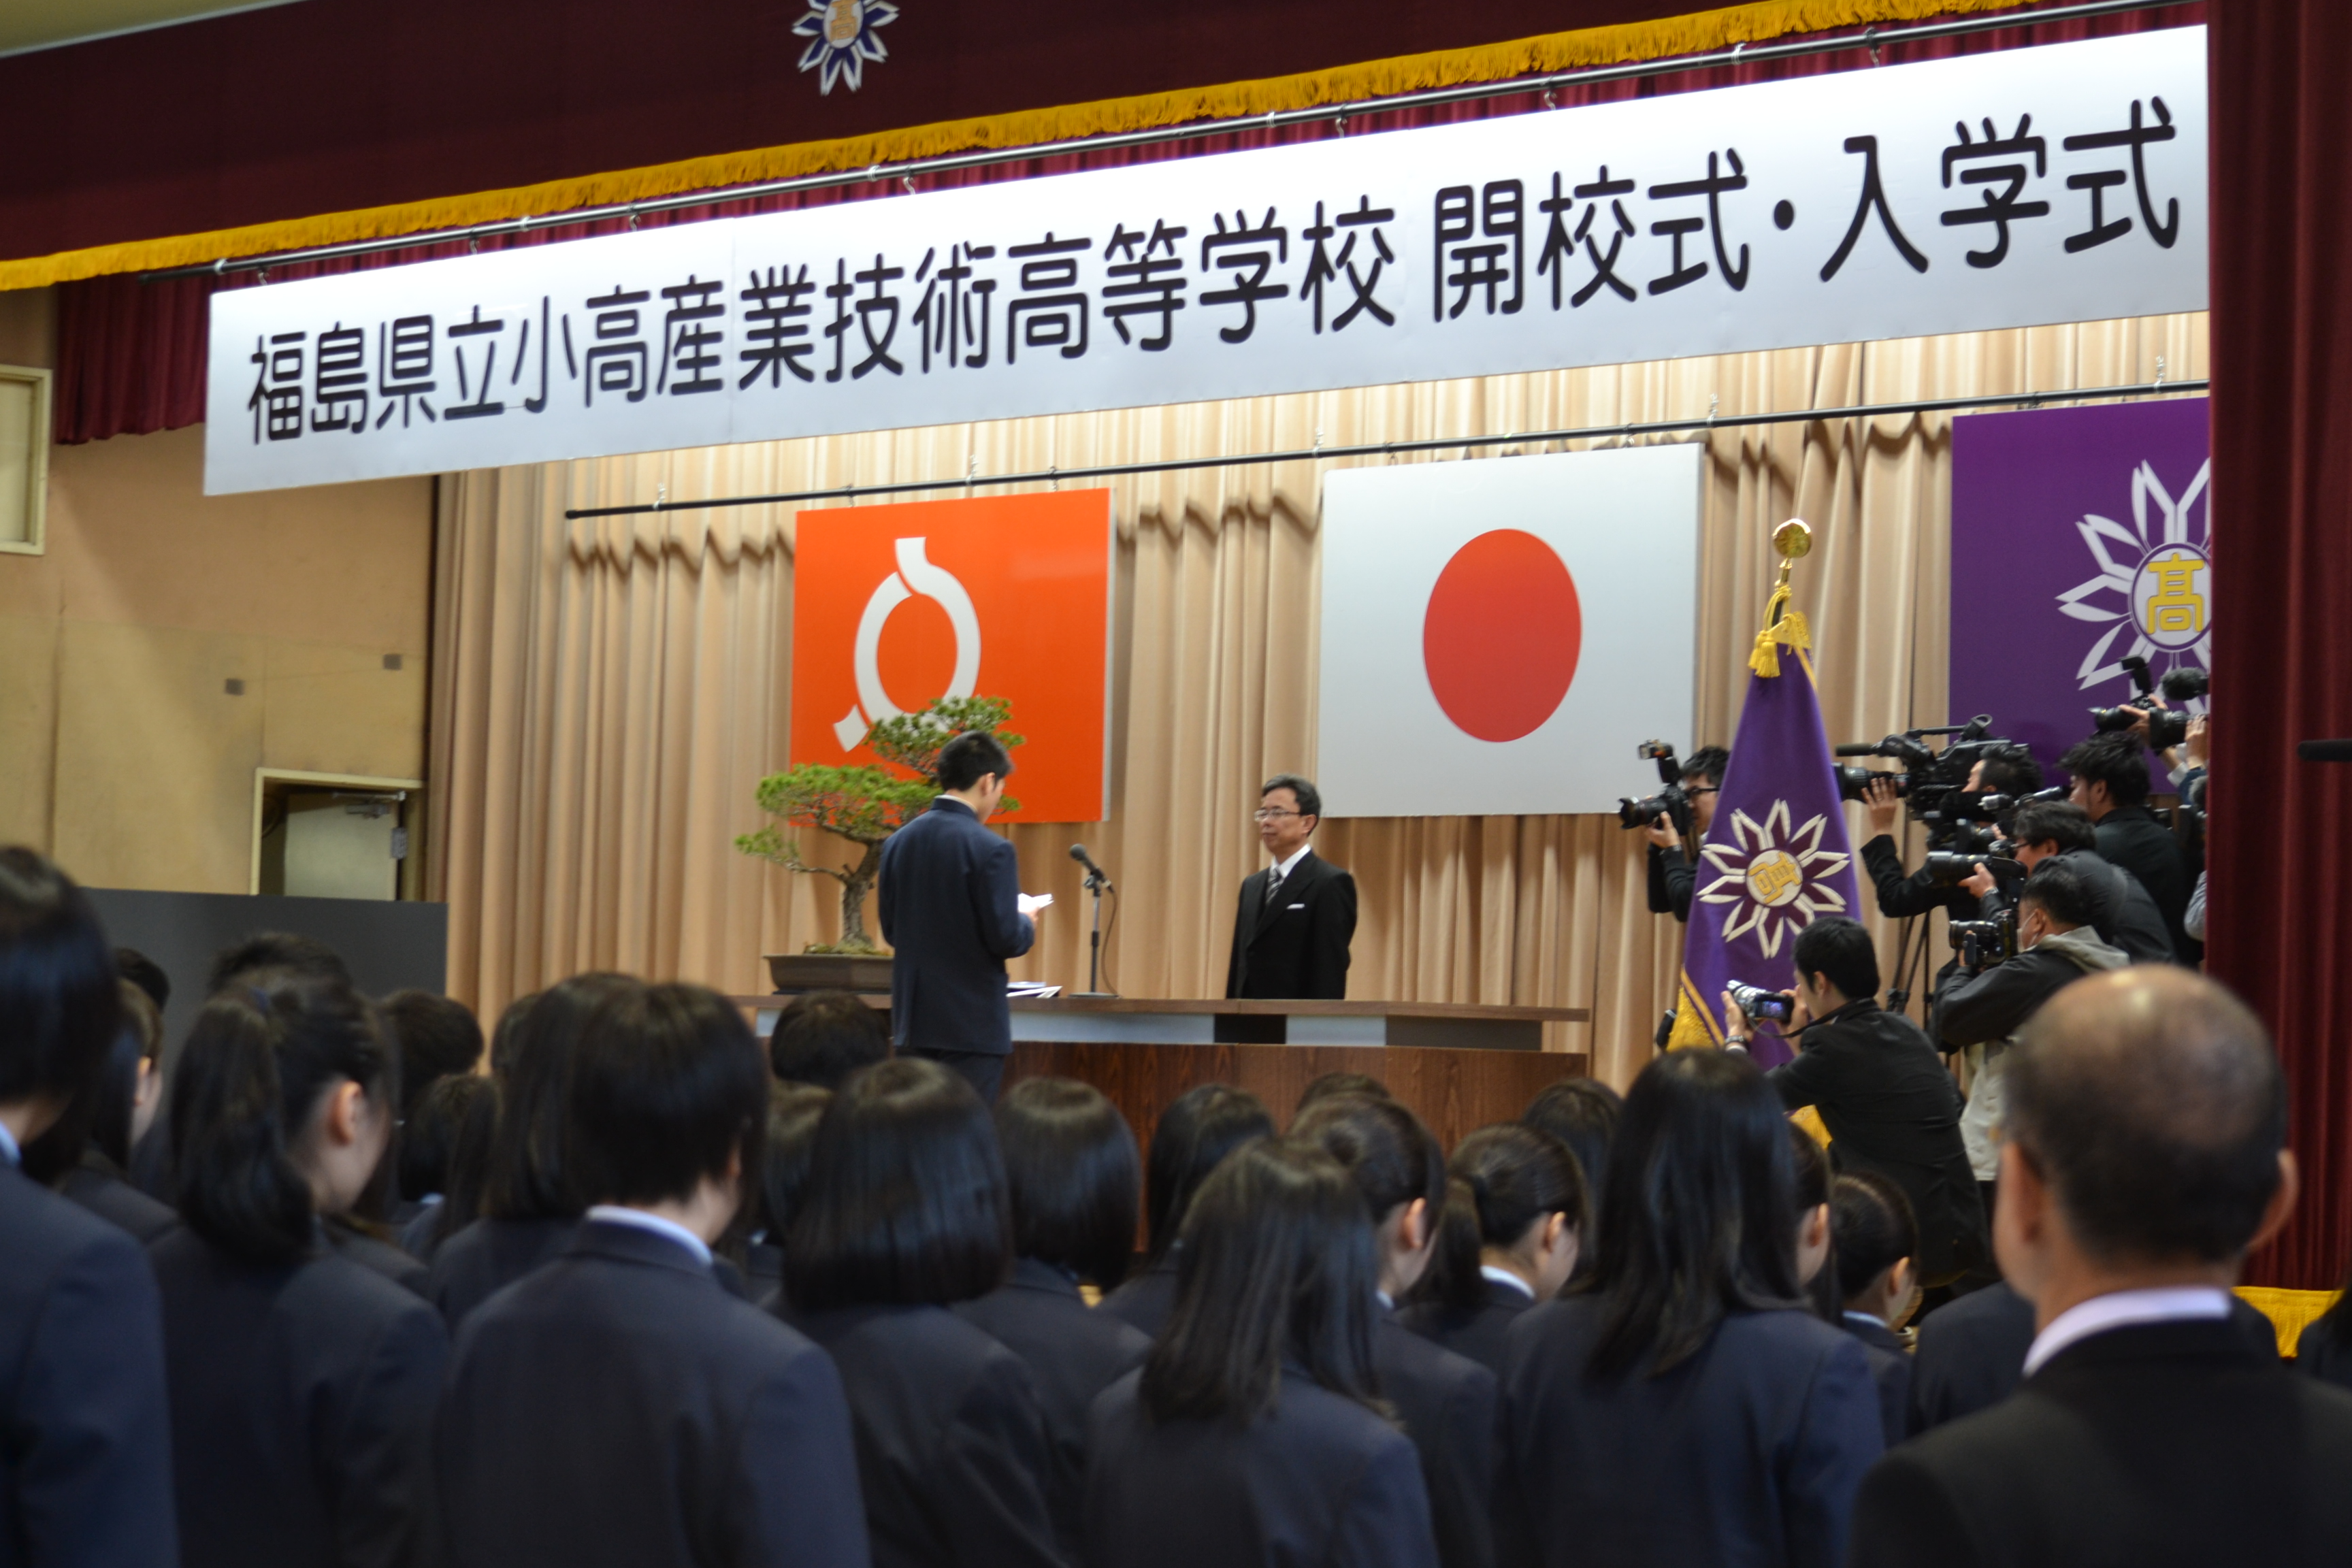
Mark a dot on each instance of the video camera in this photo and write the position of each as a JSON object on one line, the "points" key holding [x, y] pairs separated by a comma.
{"points": [[1759, 1005], [2166, 727], [1933, 785], [1672, 800]]}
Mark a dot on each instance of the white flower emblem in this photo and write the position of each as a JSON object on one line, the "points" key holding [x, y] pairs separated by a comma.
{"points": [[1779, 874], [841, 39], [2158, 582]]}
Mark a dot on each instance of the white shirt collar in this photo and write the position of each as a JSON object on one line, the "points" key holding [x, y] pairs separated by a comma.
{"points": [[1283, 869], [2122, 1309], [1387, 1300], [1870, 1318], [1505, 1277], [614, 1214], [10, 1154]]}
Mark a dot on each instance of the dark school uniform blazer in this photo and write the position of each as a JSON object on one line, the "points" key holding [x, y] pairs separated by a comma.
{"points": [[1747, 1452], [2154, 1445], [85, 1431], [1319, 1480], [619, 1407], [951, 1451], [394, 1263], [1073, 1352], [1890, 1369], [1296, 949], [1480, 1334], [947, 890], [1447, 1402], [302, 1398], [486, 1257], [97, 1185], [1148, 1300]]}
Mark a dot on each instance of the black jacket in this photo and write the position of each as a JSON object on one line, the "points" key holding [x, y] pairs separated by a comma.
{"points": [[2122, 913], [948, 889], [1902, 894], [1672, 879], [1148, 1299], [381, 1256], [2155, 1444], [2130, 836], [97, 1185], [302, 1399], [2318, 1354], [1994, 1004], [951, 1448], [85, 1431], [1481, 1334], [618, 1407], [1749, 1452], [1447, 1402], [1298, 947], [1074, 1352], [1320, 1481], [1890, 1369], [1891, 1108], [486, 1258]]}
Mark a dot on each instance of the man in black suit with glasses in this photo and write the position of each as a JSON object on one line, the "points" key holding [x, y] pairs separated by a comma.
{"points": [[1298, 915]]}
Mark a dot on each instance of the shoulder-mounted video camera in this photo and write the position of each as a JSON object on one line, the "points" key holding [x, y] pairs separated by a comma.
{"points": [[2166, 727], [1933, 784]]}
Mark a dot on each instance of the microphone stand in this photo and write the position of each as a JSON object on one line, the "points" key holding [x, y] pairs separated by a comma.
{"points": [[1095, 885]]}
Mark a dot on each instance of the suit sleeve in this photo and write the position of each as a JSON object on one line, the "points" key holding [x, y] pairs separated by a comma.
{"points": [[1993, 1005], [1236, 966], [1005, 930], [90, 1438], [1904, 1518], [1839, 1436], [1900, 894], [991, 1495], [1385, 1522], [794, 1500], [1335, 929], [1807, 1077], [380, 1462]]}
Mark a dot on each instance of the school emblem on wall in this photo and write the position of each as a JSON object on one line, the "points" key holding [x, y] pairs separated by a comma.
{"points": [[842, 38], [2154, 577]]}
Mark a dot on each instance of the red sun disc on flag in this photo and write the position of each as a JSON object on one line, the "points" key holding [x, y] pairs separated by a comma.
{"points": [[1502, 635]]}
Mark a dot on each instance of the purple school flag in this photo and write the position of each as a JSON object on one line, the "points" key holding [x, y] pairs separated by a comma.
{"points": [[1776, 858], [2079, 536]]}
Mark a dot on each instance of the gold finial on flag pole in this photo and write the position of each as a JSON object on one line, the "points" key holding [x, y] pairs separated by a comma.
{"points": [[1794, 541]]}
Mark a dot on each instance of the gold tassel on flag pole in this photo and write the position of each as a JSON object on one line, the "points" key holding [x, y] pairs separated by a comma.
{"points": [[1782, 624]]}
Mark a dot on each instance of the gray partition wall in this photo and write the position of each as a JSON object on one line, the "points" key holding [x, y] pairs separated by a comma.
{"points": [[389, 945]]}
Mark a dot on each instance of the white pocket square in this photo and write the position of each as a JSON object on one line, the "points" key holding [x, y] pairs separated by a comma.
{"points": [[1298, 906]]}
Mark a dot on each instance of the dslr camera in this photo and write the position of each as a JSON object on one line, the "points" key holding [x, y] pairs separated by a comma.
{"points": [[1984, 942], [2166, 727], [1671, 800]]}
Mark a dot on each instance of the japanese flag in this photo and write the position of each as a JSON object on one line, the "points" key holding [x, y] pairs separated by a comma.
{"points": [[1499, 635]]}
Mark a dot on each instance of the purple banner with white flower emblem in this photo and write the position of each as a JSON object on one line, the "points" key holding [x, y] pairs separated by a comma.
{"points": [[1776, 858], [2080, 536]]}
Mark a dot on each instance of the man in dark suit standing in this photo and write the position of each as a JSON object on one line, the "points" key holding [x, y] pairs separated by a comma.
{"points": [[2144, 1156], [951, 907], [1298, 916]]}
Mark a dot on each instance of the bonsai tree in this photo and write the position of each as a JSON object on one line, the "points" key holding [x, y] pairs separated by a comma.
{"points": [[865, 803]]}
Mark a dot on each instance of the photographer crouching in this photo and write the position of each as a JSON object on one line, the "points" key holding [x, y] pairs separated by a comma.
{"points": [[1890, 1107], [1673, 873]]}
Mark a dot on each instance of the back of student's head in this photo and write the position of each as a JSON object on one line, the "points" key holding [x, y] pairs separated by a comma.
{"points": [[1583, 1113], [99, 1114], [1812, 1192], [450, 1108], [506, 1039], [795, 1113], [1502, 1181], [1331, 1085], [906, 1202], [145, 974], [668, 1090], [1204, 1125], [1699, 1218], [436, 1036], [2151, 1102], [253, 1080], [532, 1170], [60, 1002], [1391, 1157], [1074, 1176], [275, 952], [968, 756], [1872, 1230], [1278, 1267], [823, 1037]]}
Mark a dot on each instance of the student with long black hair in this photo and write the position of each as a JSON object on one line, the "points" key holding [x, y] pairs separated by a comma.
{"points": [[795, 1113], [904, 1216], [303, 1383], [85, 1154], [1583, 1114], [1686, 1406], [444, 1154], [1446, 1401], [1205, 1125], [619, 1406], [1072, 1173], [1254, 1434], [531, 1201], [1514, 1216]]}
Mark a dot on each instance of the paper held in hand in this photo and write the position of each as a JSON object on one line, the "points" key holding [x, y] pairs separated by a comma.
{"points": [[1030, 903]]}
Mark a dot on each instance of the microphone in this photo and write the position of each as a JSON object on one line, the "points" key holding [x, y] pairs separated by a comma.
{"points": [[2324, 751], [1078, 853]]}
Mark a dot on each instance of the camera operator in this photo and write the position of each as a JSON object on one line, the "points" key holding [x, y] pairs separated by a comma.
{"points": [[2111, 783], [1673, 873], [1981, 1010], [2006, 769], [1890, 1107], [2122, 913]]}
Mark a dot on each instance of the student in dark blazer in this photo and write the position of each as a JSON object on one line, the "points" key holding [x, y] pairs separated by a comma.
{"points": [[1298, 916], [1255, 1436], [2323, 1349], [80, 1154], [303, 1383], [1203, 1125], [618, 1406], [531, 1199], [1686, 1405], [1074, 1180], [86, 1460], [905, 1218], [1446, 1401], [1514, 1206], [794, 1109], [950, 895], [2144, 1156], [1872, 1239]]}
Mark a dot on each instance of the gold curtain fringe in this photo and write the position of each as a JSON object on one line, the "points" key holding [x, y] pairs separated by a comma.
{"points": [[1672, 36]]}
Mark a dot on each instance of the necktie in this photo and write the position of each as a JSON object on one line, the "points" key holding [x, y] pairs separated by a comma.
{"points": [[1273, 885]]}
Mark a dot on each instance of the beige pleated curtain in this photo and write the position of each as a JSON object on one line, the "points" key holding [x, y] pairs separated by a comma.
{"points": [[607, 692]]}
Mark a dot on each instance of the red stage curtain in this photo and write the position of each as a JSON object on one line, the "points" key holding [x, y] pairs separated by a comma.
{"points": [[130, 355], [2280, 909]]}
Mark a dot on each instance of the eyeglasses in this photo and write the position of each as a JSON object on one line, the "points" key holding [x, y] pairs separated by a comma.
{"points": [[1273, 814]]}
